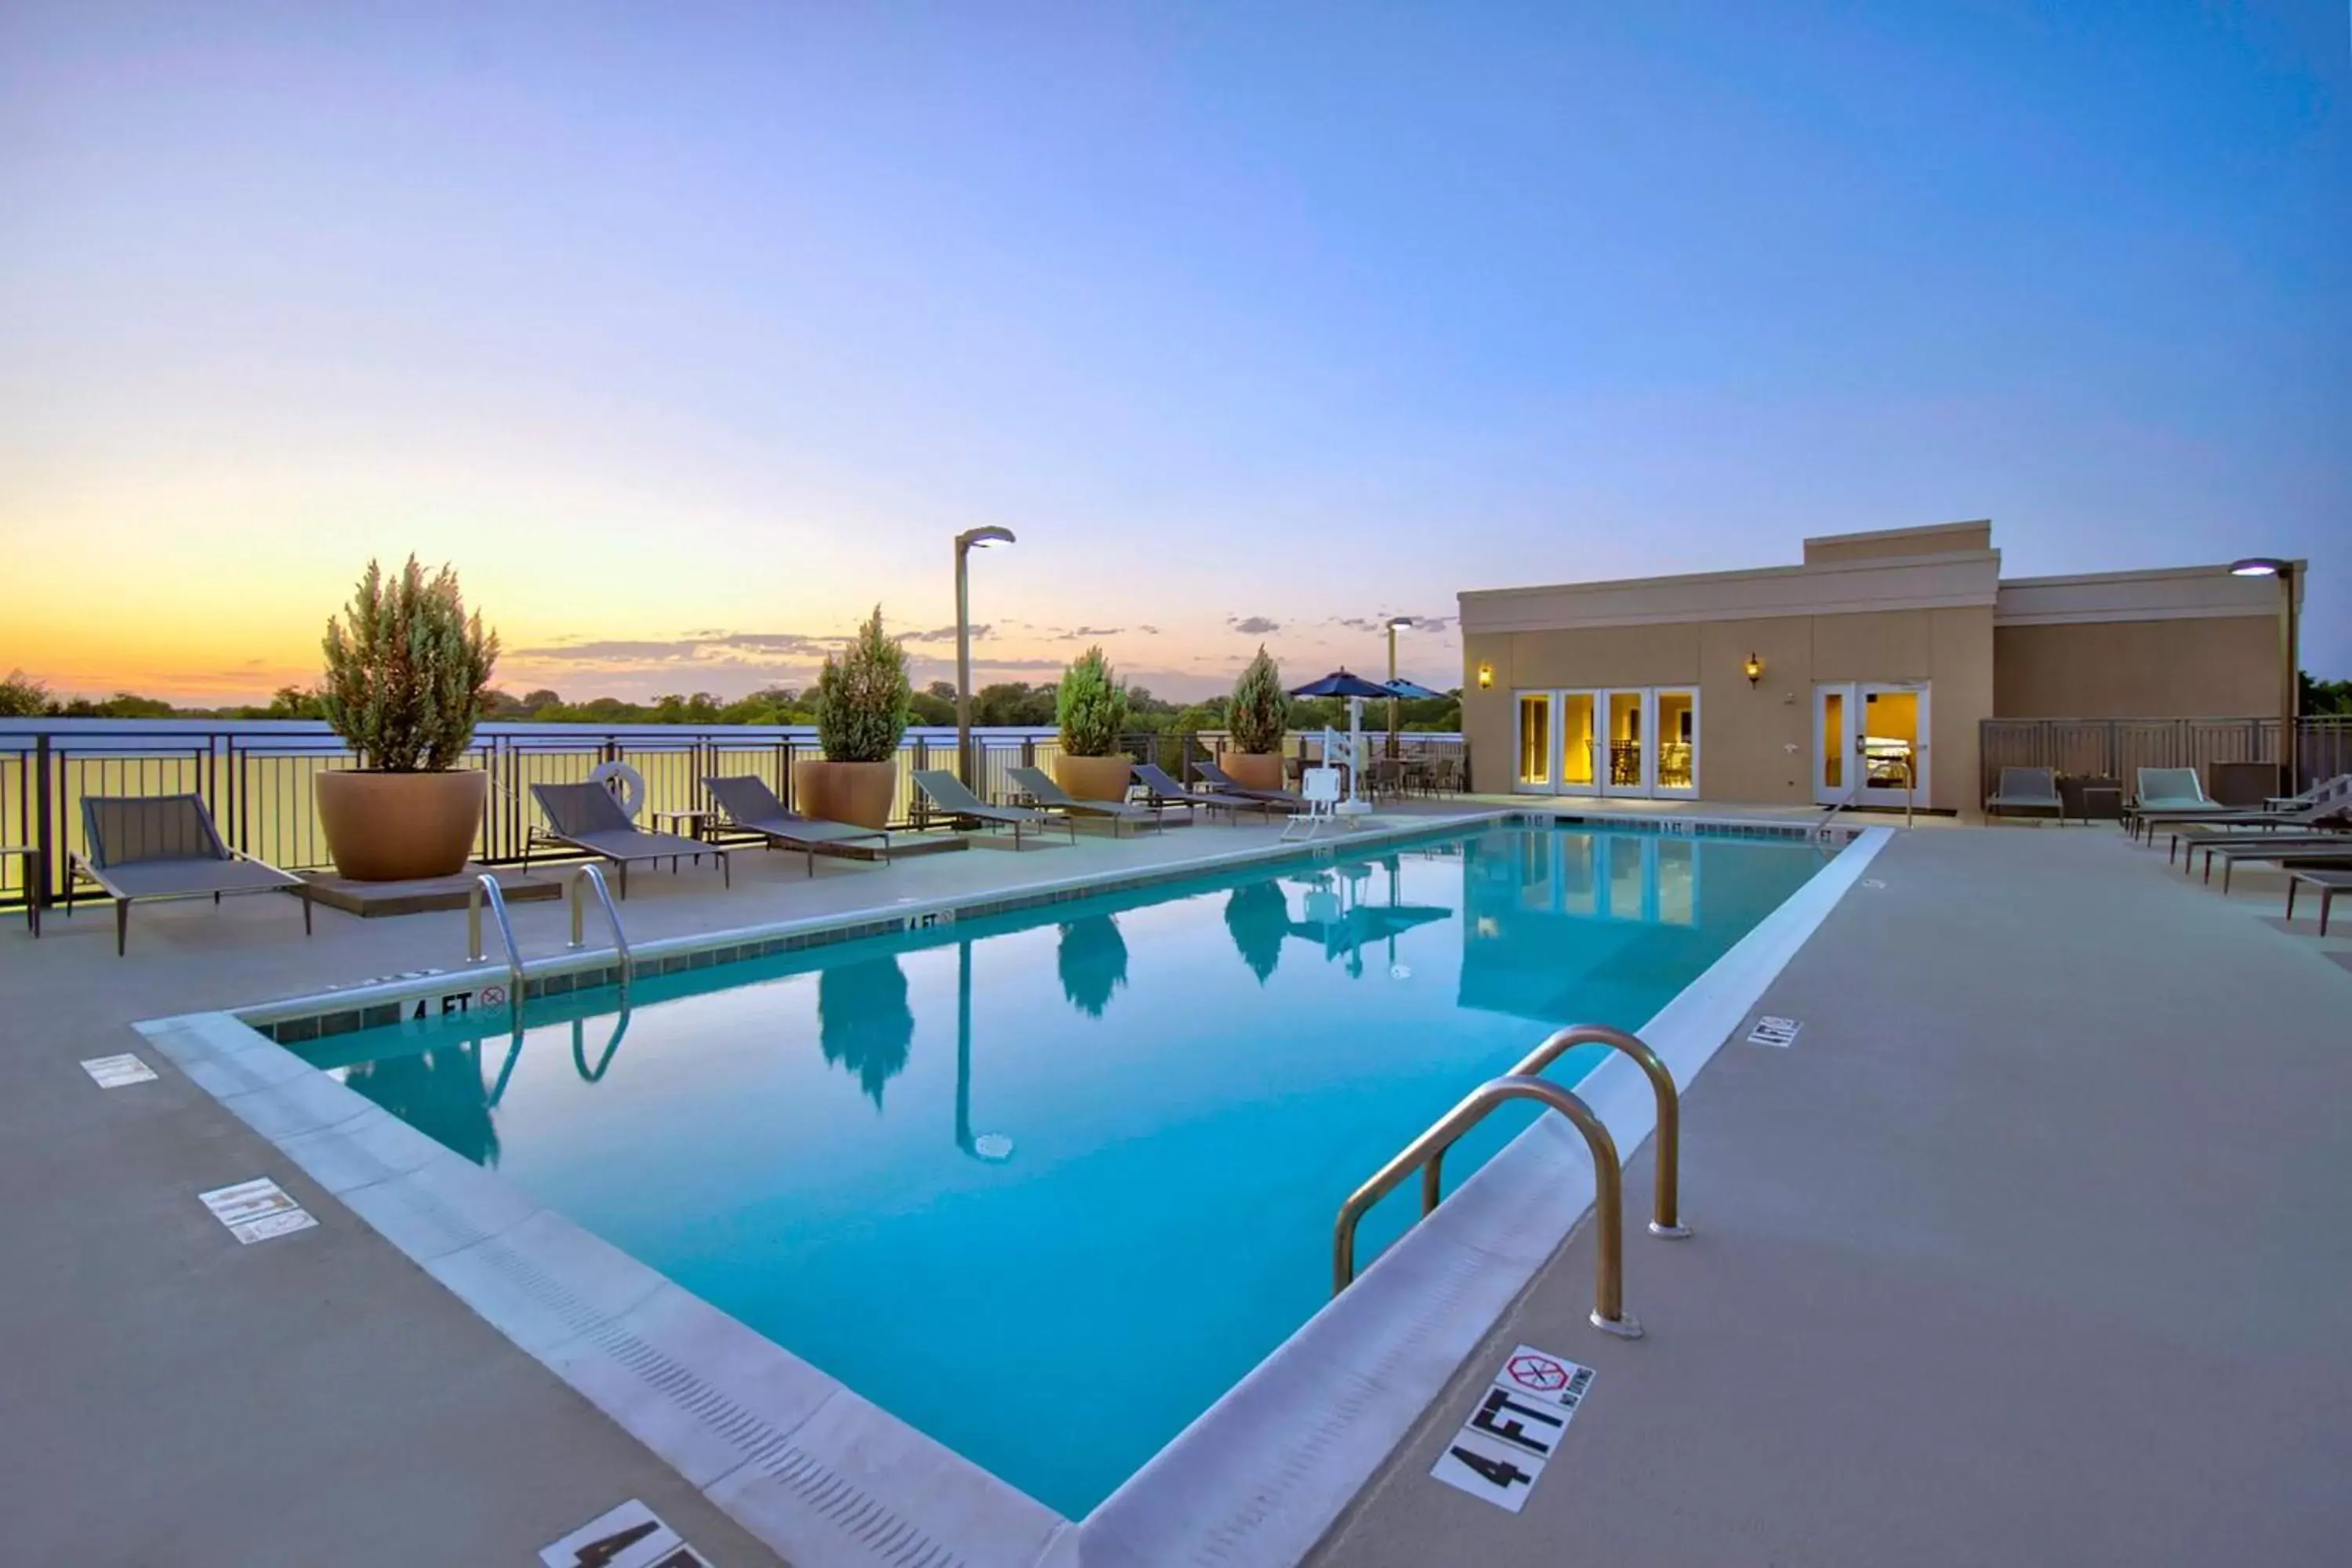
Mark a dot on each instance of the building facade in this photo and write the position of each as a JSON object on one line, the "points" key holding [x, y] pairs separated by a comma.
{"points": [[1859, 677]]}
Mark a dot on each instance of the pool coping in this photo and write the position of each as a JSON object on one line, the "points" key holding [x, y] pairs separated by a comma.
{"points": [[826, 1477]]}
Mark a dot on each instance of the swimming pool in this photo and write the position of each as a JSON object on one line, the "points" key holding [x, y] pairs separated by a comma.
{"points": [[1084, 1159]]}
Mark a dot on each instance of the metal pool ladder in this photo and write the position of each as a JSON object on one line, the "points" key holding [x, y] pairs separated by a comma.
{"points": [[589, 876], [1427, 1154], [487, 886]]}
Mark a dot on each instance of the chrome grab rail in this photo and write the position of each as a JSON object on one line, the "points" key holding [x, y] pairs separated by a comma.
{"points": [[1609, 1291], [579, 1046], [488, 885], [1668, 1137], [591, 876]]}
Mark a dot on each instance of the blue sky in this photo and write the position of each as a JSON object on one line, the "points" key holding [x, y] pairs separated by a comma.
{"points": [[691, 332]]}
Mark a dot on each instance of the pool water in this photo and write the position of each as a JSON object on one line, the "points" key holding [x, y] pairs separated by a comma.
{"points": [[1046, 1184]]}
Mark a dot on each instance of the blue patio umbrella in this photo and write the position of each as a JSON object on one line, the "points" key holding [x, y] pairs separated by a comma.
{"points": [[1339, 683], [1407, 691]]}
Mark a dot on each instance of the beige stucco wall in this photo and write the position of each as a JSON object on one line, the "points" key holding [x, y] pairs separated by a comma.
{"points": [[1896, 542], [2173, 668], [1745, 733]]}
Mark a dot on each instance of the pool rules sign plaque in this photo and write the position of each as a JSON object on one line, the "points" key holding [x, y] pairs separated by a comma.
{"points": [[1515, 1428]]}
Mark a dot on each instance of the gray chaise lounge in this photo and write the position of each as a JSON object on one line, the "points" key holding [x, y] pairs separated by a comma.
{"points": [[165, 847], [585, 816], [1162, 790], [751, 806], [947, 792], [2027, 789], [1051, 797], [1216, 778]]}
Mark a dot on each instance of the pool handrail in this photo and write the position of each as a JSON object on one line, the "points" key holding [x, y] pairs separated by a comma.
{"points": [[592, 876], [487, 884], [1667, 1221], [1609, 1312]]}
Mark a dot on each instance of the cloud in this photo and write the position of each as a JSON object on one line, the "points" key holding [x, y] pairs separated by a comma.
{"points": [[1149, 631], [946, 634], [1080, 634], [1252, 625]]}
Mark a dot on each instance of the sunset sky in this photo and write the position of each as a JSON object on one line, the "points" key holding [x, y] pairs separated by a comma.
{"points": [[689, 333]]}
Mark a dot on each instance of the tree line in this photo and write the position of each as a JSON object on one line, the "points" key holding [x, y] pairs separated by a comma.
{"points": [[1004, 704]]}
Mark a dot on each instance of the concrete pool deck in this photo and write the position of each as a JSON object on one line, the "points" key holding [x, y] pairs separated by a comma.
{"points": [[2033, 1249], [1923, 1300]]}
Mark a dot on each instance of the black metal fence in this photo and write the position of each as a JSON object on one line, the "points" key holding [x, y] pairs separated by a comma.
{"points": [[2118, 747], [256, 776]]}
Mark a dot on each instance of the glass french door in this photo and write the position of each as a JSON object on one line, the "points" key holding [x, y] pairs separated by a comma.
{"points": [[1869, 742], [1635, 741]]}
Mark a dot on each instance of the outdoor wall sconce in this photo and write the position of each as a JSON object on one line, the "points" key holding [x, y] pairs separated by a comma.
{"points": [[1485, 676], [1755, 668]]}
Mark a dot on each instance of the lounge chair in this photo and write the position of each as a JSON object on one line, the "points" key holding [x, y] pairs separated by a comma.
{"points": [[1160, 789], [1051, 797], [2330, 810], [751, 807], [2169, 795], [2027, 789], [158, 847], [947, 792], [585, 816], [2325, 881], [2283, 850], [1216, 778]]}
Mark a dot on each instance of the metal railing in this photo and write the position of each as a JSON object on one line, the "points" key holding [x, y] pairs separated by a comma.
{"points": [[1608, 1180], [1666, 1219], [256, 776], [591, 876], [485, 886]]}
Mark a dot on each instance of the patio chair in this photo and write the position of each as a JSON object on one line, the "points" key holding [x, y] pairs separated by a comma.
{"points": [[585, 816], [947, 792], [158, 847], [1160, 789], [2027, 789], [1040, 787], [751, 807], [2329, 809], [1223, 783]]}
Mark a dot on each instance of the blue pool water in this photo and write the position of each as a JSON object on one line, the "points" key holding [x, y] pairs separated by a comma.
{"points": [[1045, 1186]]}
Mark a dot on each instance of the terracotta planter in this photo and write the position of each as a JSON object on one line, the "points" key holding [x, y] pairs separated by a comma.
{"points": [[401, 827], [1253, 770], [1094, 778], [859, 793]]}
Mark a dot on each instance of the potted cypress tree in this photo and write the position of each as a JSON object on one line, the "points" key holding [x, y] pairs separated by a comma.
{"points": [[1259, 715], [862, 703], [1091, 706], [406, 668]]}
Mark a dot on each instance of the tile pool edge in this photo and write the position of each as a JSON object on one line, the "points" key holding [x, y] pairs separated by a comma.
{"points": [[371, 1004], [826, 1477], [1257, 1479]]}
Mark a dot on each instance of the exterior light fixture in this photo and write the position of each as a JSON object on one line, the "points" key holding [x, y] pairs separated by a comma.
{"points": [[1485, 676], [1755, 668], [2290, 683]]}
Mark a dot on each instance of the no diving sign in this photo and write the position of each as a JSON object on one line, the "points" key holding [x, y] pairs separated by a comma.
{"points": [[1515, 1429]]}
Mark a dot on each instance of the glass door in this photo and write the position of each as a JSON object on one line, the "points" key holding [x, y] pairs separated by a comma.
{"points": [[1676, 772], [1580, 742], [1869, 742], [1626, 749], [1832, 743], [1538, 741]]}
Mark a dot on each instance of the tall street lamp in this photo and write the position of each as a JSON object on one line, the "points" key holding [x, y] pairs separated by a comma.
{"points": [[2291, 690], [1394, 622], [970, 539]]}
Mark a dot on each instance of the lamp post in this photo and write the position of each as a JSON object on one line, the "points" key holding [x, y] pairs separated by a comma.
{"points": [[1394, 622], [2290, 691], [970, 539]]}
